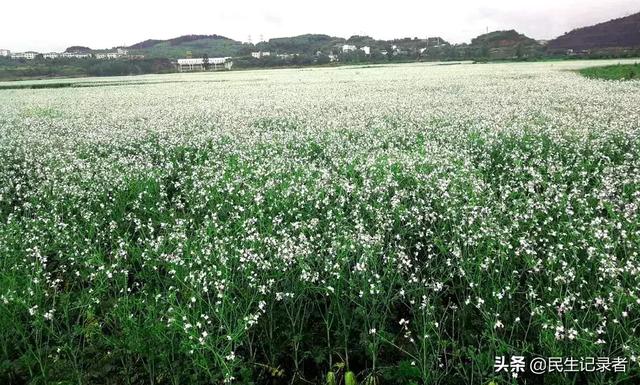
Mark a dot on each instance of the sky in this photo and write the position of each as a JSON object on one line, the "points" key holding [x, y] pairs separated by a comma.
{"points": [[50, 25]]}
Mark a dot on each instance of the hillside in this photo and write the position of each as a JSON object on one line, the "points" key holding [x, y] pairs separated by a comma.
{"points": [[618, 33], [503, 45], [308, 43], [78, 48], [215, 45], [197, 45], [494, 45], [312, 43], [502, 39]]}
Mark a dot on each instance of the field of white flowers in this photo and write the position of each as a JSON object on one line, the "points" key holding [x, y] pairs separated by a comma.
{"points": [[404, 224]]}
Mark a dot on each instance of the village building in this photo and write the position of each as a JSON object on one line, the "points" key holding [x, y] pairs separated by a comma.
{"points": [[286, 56], [107, 55], [260, 54], [187, 65], [119, 53], [29, 55], [5, 52], [348, 48], [75, 55]]}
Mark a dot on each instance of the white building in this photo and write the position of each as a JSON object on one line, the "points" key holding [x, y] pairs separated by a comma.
{"points": [[198, 64], [286, 56], [5, 52], [348, 48], [51, 55], [75, 55], [366, 50], [260, 54], [30, 55], [120, 52], [108, 55]]}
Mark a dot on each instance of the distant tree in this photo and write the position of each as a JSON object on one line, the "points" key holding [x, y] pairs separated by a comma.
{"points": [[323, 59], [377, 56], [205, 62], [78, 48], [519, 51], [389, 50], [484, 51], [450, 53]]}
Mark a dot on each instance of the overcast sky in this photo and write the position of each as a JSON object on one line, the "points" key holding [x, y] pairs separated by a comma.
{"points": [[50, 25]]}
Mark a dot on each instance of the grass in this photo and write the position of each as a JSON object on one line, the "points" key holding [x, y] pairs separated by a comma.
{"points": [[613, 72]]}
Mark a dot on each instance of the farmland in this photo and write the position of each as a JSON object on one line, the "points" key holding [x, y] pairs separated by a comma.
{"points": [[404, 223], [613, 72]]}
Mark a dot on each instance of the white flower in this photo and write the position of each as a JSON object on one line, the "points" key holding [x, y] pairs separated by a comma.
{"points": [[49, 315]]}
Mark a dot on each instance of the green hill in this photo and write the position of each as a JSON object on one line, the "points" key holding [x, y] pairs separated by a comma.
{"points": [[308, 43], [613, 35], [504, 45], [196, 45]]}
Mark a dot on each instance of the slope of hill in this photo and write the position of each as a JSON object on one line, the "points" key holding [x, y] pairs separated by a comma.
{"points": [[78, 48], [311, 43], [197, 45], [308, 43], [149, 43], [215, 45], [504, 45], [617, 33], [501, 39]]}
